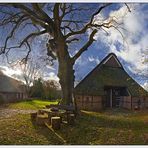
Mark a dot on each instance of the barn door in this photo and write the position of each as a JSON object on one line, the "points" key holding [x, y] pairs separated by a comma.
{"points": [[116, 97], [107, 98]]}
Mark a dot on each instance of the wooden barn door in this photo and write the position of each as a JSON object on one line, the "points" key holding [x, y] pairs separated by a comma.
{"points": [[116, 97], [112, 97], [107, 100]]}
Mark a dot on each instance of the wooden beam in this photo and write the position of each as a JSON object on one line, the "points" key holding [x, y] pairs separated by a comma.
{"points": [[111, 99], [131, 103], [92, 101], [82, 100]]}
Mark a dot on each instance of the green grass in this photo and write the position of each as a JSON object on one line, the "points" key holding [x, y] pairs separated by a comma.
{"points": [[109, 127], [31, 104], [19, 130]]}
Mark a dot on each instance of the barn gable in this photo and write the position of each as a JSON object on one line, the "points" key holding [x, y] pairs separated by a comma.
{"points": [[112, 61], [109, 72]]}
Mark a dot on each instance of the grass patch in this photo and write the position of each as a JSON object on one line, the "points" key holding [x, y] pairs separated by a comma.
{"points": [[100, 128], [31, 104], [119, 127], [19, 130]]}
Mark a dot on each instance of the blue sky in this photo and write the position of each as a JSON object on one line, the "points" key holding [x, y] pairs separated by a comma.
{"points": [[129, 48]]}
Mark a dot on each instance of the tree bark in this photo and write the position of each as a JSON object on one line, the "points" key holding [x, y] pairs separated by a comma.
{"points": [[66, 76]]}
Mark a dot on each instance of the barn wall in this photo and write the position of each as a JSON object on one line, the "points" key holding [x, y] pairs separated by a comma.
{"points": [[94, 103], [91, 103], [143, 102], [146, 102], [9, 97], [129, 102], [125, 102]]}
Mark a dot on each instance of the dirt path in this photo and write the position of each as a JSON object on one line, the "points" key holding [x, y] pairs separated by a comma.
{"points": [[6, 112]]}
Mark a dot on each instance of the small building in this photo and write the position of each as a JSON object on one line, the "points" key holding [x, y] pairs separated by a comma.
{"points": [[11, 90], [108, 85]]}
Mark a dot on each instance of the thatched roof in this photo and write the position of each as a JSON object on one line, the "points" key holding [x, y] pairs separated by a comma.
{"points": [[8, 84], [104, 75]]}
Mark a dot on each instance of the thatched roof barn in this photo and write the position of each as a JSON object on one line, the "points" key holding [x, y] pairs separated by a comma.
{"points": [[11, 89], [109, 85]]}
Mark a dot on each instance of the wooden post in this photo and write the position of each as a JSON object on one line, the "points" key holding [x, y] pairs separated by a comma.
{"points": [[56, 123], [111, 99], [41, 119], [33, 115], [82, 101], [92, 101], [71, 119]]}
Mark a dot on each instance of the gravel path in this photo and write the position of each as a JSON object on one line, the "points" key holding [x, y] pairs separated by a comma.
{"points": [[6, 112]]}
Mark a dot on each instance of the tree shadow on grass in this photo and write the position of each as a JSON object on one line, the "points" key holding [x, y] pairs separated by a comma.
{"points": [[47, 132], [91, 127], [112, 122]]}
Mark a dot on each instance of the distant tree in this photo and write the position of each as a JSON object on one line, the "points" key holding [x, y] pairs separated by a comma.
{"points": [[66, 24], [30, 72], [38, 89], [46, 89], [51, 90]]}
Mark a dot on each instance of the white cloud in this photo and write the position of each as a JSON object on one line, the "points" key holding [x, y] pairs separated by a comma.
{"points": [[81, 61], [51, 76], [91, 59], [9, 71], [50, 67], [94, 59], [131, 47]]}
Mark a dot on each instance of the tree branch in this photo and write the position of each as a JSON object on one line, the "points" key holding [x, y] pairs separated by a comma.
{"points": [[25, 40], [89, 24], [43, 14], [85, 47], [32, 15], [56, 15], [12, 32], [24, 60], [72, 40], [128, 7]]}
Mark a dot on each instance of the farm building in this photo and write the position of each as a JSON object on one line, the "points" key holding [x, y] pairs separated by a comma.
{"points": [[108, 85], [11, 90]]}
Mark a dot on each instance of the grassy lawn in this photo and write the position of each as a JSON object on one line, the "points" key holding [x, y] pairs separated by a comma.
{"points": [[108, 127], [31, 104]]}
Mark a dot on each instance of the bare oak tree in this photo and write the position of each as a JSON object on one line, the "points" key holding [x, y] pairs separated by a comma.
{"points": [[66, 24]]}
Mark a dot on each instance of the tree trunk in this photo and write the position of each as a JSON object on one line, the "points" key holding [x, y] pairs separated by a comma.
{"points": [[66, 76], [65, 69]]}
